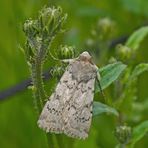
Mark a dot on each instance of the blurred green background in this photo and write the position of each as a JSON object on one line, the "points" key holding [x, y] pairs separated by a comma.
{"points": [[18, 128]]}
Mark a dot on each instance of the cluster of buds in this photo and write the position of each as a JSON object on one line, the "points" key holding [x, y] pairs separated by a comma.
{"points": [[123, 52], [57, 71], [66, 52], [123, 134], [103, 32], [51, 21], [41, 31], [105, 28]]}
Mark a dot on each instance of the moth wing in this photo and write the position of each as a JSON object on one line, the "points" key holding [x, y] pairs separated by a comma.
{"points": [[78, 116], [51, 119]]}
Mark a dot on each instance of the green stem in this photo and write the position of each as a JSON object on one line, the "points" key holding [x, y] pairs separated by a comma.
{"points": [[122, 146], [50, 140], [40, 33], [39, 92]]}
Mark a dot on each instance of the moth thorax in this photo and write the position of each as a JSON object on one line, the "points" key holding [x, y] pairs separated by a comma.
{"points": [[85, 56]]}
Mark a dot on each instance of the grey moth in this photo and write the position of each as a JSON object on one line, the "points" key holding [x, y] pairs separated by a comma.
{"points": [[69, 108]]}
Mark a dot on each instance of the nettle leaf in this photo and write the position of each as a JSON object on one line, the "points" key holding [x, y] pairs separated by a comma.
{"points": [[139, 69], [137, 37], [110, 73], [99, 108], [138, 132]]}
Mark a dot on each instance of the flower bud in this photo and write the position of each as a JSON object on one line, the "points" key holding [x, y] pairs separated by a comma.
{"points": [[105, 28], [31, 28], [112, 60], [46, 16], [90, 43], [123, 134], [57, 71], [51, 19], [66, 52], [123, 52], [31, 88]]}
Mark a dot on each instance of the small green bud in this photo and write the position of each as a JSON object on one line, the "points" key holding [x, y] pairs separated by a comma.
{"points": [[66, 52], [112, 60], [123, 52], [51, 20], [57, 71], [106, 24], [123, 134], [90, 43], [29, 64], [29, 52], [46, 17], [105, 28], [31, 87], [31, 28], [94, 32]]}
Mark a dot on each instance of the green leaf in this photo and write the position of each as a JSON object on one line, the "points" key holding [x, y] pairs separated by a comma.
{"points": [[139, 7], [99, 108], [110, 73], [139, 69], [138, 132], [88, 11], [137, 37]]}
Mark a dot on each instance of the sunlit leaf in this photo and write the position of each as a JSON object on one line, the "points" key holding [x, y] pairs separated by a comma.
{"points": [[110, 73], [137, 6], [139, 69], [99, 108], [137, 37], [138, 132]]}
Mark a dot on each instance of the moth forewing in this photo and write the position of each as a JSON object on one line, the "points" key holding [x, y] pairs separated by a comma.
{"points": [[69, 109]]}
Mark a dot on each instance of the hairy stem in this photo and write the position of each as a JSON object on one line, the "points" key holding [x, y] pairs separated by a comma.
{"points": [[122, 146], [40, 32], [39, 92]]}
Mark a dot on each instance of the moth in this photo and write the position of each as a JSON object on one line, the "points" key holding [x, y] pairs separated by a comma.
{"points": [[69, 108]]}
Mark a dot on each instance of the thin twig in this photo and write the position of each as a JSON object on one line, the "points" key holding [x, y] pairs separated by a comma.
{"points": [[6, 94]]}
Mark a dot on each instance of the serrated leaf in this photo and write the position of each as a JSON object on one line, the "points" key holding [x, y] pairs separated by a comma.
{"points": [[109, 74], [139, 69], [138, 132], [137, 37], [99, 108]]}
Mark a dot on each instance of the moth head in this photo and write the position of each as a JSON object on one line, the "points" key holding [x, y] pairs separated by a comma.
{"points": [[85, 56]]}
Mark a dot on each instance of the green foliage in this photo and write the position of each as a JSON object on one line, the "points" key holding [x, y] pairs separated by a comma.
{"points": [[139, 69], [137, 37], [128, 93], [136, 6], [65, 52], [99, 108], [39, 35], [138, 133], [42, 31], [123, 134], [110, 73]]}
